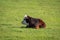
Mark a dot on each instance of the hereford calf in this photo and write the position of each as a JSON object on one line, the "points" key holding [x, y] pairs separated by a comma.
{"points": [[33, 22]]}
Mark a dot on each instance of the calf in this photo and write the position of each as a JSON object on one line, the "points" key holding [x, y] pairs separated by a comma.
{"points": [[31, 22]]}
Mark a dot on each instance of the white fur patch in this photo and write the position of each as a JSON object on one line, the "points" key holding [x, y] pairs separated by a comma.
{"points": [[25, 16], [24, 22]]}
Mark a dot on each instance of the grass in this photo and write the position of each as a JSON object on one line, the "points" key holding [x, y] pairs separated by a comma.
{"points": [[13, 11]]}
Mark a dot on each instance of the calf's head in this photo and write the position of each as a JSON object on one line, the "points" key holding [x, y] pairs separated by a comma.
{"points": [[26, 20]]}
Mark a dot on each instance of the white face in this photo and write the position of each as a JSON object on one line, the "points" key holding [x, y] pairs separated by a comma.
{"points": [[24, 21]]}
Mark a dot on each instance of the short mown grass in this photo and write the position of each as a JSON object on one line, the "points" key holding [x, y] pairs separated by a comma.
{"points": [[12, 13]]}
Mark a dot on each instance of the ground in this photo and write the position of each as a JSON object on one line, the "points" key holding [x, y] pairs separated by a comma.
{"points": [[12, 13]]}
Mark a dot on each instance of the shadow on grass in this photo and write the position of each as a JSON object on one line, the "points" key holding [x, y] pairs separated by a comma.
{"points": [[27, 27], [22, 27]]}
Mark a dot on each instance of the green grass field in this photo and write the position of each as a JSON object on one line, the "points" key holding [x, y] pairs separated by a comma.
{"points": [[12, 13]]}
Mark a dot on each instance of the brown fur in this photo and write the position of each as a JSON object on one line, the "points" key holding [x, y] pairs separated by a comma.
{"points": [[35, 23]]}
